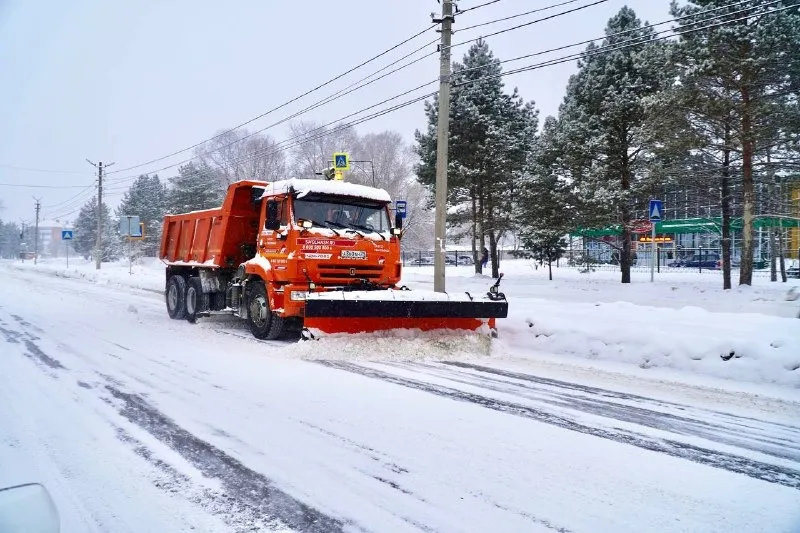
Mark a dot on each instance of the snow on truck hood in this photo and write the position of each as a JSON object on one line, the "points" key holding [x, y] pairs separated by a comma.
{"points": [[341, 188]]}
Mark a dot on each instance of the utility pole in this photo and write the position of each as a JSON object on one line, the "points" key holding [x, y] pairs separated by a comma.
{"points": [[443, 133], [22, 240], [36, 234], [98, 247]]}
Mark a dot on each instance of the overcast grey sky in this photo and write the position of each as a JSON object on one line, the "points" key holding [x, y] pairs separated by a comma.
{"points": [[132, 81]]}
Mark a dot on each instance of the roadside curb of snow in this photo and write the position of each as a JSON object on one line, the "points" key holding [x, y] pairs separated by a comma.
{"points": [[74, 273], [761, 352]]}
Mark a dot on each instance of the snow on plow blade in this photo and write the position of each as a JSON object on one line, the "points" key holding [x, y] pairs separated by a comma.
{"points": [[371, 311]]}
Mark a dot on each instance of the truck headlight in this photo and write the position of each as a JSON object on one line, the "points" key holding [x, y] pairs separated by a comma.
{"points": [[298, 295]]}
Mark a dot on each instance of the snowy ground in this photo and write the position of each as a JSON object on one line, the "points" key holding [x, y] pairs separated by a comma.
{"points": [[601, 408]]}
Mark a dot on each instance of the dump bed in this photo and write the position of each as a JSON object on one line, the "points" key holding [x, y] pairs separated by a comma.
{"points": [[222, 237]]}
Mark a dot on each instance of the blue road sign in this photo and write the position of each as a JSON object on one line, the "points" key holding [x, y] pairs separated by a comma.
{"points": [[341, 161], [66, 234], [400, 208], [656, 210]]}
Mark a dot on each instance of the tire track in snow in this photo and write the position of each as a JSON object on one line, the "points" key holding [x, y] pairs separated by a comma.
{"points": [[767, 438], [252, 490], [606, 393], [741, 465], [24, 337]]}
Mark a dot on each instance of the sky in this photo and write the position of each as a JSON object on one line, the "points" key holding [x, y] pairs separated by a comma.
{"points": [[129, 82]]}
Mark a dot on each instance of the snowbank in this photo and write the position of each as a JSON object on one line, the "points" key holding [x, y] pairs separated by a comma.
{"points": [[739, 346], [146, 274], [682, 323]]}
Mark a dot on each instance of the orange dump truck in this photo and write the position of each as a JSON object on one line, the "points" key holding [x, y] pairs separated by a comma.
{"points": [[311, 256]]}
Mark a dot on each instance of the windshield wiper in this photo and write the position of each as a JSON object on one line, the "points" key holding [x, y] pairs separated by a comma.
{"points": [[367, 228], [329, 223]]}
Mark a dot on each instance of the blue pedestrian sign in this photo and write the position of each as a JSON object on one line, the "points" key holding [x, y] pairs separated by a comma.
{"points": [[400, 208], [66, 234], [341, 161], [656, 211]]}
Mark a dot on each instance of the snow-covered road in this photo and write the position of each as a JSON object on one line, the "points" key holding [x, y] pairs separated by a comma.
{"points": [[138, 423]]}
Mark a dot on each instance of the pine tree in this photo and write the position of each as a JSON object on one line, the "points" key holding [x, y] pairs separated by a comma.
{"points": [[546, 246], [147, 199], [85, 228], [602, 123], [195, 187], [9, 240], [491, 134], [546, 205], [748, 72]]}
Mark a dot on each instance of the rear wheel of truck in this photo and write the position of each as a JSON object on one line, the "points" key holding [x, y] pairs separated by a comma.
{"points": [[176, 297], [196, 300]]}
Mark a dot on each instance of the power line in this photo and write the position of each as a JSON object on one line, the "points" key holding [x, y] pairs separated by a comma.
{"points": [[522, 69], [335, 96], [400, 95], [26, 185], [43, 170], [50, 206], [321, 132], [622, 46], [460, 11], [281, 106], [529, 23], [495, 21], [625, 32]]}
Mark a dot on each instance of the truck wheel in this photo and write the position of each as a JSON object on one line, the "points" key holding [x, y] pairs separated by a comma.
{"points": [[258, 314], [277, 327], [196, 300], [176, 297]]}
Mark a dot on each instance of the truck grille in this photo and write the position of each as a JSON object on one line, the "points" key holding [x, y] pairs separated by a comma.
{"points": [[330, 271]]}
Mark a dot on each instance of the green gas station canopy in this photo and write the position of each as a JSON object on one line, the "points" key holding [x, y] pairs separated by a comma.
{"points": [[690, 225]]}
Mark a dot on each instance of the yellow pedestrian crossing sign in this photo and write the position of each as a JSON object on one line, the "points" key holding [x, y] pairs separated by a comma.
{"points": [[341, 161]]}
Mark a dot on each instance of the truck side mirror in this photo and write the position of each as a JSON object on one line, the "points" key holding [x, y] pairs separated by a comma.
{"points": [[273, 221], [397, 230]]}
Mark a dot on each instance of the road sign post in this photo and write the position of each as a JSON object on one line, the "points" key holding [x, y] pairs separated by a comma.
{"points": [[655, 211], [400, 207], [66, 236], [130, 227]]}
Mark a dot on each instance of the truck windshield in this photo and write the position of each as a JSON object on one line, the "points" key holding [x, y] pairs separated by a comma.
{"points": [[342, 213]]}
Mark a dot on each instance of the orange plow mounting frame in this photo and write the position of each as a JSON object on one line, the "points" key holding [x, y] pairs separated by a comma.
{"points": [[372, 311]]}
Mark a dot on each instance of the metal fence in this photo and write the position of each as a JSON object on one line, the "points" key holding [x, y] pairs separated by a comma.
{"points": [[686, 260]]}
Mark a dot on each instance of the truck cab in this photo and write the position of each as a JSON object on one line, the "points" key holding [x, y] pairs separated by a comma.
{"points": [[272, 243], [319, 236]]}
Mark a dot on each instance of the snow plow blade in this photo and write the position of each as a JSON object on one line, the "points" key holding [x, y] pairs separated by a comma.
{"points": [[373, 311]]}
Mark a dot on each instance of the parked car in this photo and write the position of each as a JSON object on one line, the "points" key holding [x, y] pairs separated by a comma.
{"points": [[709, 260], [465, 260], [422, 261], [793, 272]]}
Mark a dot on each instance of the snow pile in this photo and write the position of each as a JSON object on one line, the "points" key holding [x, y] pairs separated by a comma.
{"points": [[395, 345], [739, 346], [147, 273]]}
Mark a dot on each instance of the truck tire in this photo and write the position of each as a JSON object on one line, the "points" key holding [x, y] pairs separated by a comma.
{"points": [[277, 327], [258, 314], [196, 300], [175, 295]]}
